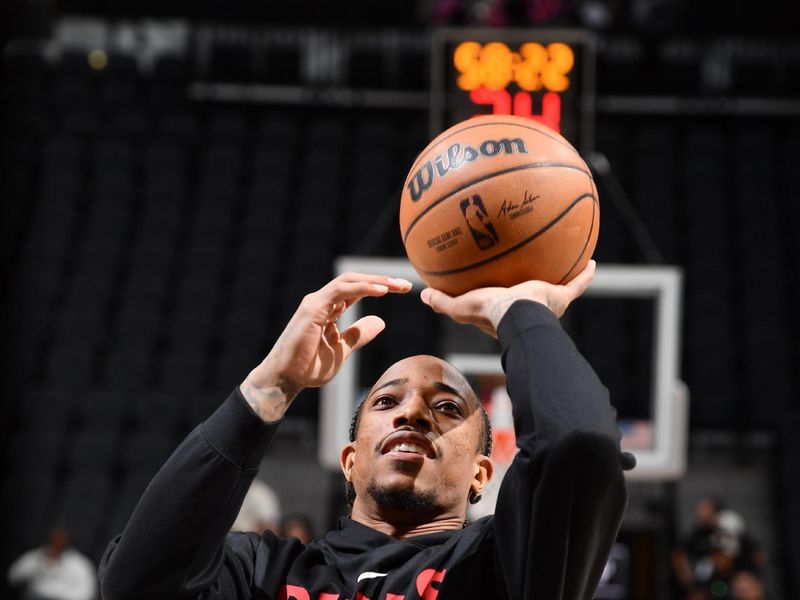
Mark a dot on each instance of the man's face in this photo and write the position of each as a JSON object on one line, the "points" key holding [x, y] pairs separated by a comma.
{"points": [[417, 444], [705, 513], [58, 542]]}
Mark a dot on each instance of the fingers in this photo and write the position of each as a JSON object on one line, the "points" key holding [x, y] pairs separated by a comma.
{"points": [[438, 301], [392, 284], [352, 287], [331, 334], [362, 332], [578, 285]]}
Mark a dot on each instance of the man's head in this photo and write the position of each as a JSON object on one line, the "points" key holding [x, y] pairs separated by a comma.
{"points": [[705, 512], [57, 542], [420, 441]]}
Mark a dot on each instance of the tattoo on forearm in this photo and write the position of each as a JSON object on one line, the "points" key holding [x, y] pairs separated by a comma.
{"points": [[270, 404]]}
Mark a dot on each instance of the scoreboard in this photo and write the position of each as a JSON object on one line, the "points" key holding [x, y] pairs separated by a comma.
{"points": [[542, 74]]}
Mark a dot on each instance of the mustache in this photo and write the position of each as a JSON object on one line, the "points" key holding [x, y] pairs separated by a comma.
{"points": [[382, 441]]}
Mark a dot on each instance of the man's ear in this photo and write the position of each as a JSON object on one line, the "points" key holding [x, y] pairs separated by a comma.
{"points": [[347, 459], [482, 471]]}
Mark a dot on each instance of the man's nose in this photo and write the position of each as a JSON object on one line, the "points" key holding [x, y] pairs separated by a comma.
{"points": [[415, 412]]}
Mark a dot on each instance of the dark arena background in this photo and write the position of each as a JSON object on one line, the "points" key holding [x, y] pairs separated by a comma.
{"points": [[175, 176]]}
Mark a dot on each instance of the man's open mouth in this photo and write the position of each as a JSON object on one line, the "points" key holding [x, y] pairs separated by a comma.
{"points": [[408, 442]]}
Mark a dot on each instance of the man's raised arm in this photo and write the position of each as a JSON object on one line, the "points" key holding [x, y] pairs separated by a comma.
{"points": [[561, 501], [174, 544]]}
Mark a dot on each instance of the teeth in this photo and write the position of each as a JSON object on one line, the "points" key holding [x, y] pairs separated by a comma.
{"points": [[406, 447]]}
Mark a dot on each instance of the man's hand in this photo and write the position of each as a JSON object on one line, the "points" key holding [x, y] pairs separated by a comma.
{"points": [[311, 349], [485, 307]]}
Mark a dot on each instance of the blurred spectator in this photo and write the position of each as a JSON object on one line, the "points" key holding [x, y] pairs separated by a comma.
{"points": [[260, 511], [719, 559], [690, 561], [298, 526], [54, 571]]}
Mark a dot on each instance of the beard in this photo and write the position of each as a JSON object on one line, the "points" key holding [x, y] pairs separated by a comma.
{"points": [[404, 499]]}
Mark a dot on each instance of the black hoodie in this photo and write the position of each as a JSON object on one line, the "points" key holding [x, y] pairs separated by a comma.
{"points": [[557, 514]]}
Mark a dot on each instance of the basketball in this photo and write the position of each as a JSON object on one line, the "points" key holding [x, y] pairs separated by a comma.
{"points": [[497, 200]]}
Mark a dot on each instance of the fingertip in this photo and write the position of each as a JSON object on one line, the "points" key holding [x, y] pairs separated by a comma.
{"points": [[425, 295], [379, 287], [374, 323], [400, 285]]}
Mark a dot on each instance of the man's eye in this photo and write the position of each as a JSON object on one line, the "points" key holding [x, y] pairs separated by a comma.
{"points": [[385, 401], [449, 406]]}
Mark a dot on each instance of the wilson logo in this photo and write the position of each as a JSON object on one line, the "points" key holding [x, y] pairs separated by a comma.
{"points": [[455, 156]]}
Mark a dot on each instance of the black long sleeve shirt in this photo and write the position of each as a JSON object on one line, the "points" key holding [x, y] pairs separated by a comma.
{"points": [[557, 515]]}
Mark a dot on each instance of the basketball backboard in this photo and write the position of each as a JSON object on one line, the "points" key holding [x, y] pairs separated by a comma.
{"points": [[659, 442]]}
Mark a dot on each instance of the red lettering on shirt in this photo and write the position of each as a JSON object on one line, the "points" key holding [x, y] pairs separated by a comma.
{"points": [[424, 581], [294, 592], [425, 589]]}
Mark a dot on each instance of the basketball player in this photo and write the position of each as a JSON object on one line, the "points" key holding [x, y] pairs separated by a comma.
{"points": [[418, 455]]}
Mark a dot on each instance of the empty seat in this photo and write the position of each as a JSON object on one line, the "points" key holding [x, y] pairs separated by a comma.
{"points": [[235, 362], [326, 132], [98, 260], [119, 96], [258, 254], [147, 286], [179, 125], [80, 121], [32, 449], [103, 409], [46, 408], [89, 289], [251, 291], [153, 253], [227, 126], [158, 410], [214, 219], [26, 516], [84, 322], [66, 93], [171, 67], [184, 366], [192, 326], [247, 325], [94, 452], [197, 293], [128, 367], [278, 130], [145, 452], [70, 363], [112, 151], [204, 260], [165, 156], [130, 124], [63, 151], [137, 325], [266, 214], [204, 403]]}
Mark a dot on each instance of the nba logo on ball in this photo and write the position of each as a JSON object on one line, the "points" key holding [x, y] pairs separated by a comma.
{"points": [[531, 214], [480, 226]]}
